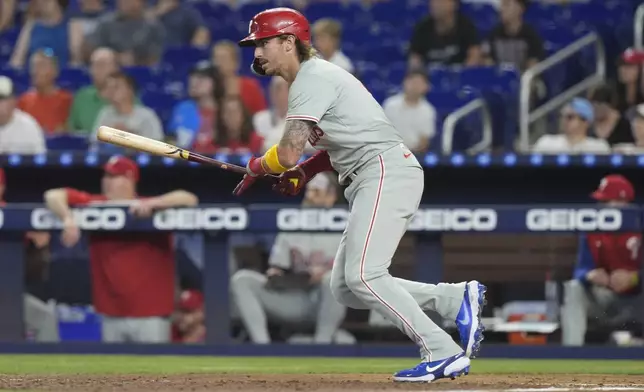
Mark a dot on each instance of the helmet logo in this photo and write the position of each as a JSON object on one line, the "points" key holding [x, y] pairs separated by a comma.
{"points": [[250, 26]]}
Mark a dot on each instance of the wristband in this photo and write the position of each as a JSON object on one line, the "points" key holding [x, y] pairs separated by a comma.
{"points": [[272, 161]]}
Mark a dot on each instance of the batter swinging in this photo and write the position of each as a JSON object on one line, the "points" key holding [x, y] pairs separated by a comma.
{"points": [[332, 110]]}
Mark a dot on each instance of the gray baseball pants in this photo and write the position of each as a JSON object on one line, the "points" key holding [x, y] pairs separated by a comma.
{"points": [[383, 197]]}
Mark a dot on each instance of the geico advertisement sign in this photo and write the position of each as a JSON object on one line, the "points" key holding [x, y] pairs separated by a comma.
{"points": [[201, 219], [584, 219], [335, 219], [86, 219], [291, 219]]}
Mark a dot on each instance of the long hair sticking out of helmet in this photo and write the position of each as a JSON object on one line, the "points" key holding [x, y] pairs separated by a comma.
{"points": [[305, 51]]}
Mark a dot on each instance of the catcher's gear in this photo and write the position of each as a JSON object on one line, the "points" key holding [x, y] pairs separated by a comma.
{"points": [[291, 182], [275, 22]]}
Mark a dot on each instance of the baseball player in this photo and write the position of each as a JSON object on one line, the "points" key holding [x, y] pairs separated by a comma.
{"points": [[307, 259], [607, 280], [332, 110]]}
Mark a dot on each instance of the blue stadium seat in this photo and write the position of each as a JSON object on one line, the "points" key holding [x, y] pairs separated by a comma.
{"points": [[147, 79], [66, 142], [180, 59], [161, 103], [73, 78]]}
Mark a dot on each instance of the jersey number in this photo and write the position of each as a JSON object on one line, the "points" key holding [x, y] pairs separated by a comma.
{"points": [[633, 245]]}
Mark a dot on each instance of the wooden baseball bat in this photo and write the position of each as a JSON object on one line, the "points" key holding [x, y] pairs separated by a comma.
{"points": [[145, 144]]}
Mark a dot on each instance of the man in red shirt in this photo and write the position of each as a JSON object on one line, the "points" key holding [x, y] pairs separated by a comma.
{"points": [[133, 274], [606, 282]]}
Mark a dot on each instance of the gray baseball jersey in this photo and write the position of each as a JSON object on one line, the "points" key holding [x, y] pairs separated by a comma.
{"points": [[300, 252], [351, 125], [386, 185]]}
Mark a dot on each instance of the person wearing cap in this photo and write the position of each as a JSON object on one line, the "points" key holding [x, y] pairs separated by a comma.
{"points": [[295, 289], [630, 90], [411, 113], [133, 274], [188, 321], [194, 122], [20, 133], [576, 118], [606, 281], [125, 113]]}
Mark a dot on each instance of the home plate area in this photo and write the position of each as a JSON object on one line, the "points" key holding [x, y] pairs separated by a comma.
{"points": [[319, 382]]}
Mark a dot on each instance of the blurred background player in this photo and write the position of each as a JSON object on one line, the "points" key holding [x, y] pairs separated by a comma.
{"points": [[188, 321], [607, 281], [41, 322], [295, 289], [133, 274]]}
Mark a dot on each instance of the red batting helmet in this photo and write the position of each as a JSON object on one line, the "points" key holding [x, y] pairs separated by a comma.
{"points": [[275, 22]]}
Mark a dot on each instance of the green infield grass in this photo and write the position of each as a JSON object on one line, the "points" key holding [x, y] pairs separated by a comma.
{"points": [[119, 364]]}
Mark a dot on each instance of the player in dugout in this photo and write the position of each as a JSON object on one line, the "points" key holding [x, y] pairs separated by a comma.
{"points": [[40, 317], [133, 274], [296, 287], [607, 279]]}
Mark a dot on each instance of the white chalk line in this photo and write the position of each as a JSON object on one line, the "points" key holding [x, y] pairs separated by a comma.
{"points": [[581, 387]]}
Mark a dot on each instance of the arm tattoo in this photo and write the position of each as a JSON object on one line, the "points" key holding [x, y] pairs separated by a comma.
{"points": [[296, 134]]}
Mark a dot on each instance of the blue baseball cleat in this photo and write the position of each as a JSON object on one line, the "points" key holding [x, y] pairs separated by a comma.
{"points": [[451, 367], [468, 320]]}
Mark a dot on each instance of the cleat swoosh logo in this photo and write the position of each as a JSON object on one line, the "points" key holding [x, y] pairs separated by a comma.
{"points": [[433, 369], [466, 318]]}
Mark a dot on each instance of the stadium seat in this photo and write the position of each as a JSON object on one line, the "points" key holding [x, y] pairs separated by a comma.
{"points": [[73, 78], [146, 78]]}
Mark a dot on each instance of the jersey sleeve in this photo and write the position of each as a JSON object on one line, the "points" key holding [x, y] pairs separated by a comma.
{"points": [[280, 253], [310, 98], [80, 198]]}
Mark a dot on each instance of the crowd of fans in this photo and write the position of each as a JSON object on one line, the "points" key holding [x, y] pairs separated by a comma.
{"points": [[226, 110]]}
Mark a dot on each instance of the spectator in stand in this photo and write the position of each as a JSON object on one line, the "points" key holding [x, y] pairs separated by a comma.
{"points": [[19, 131], [183, 24], [269, 123], [7, 13], [195, 121], [133, 274], [295, 288], [629, 80], [445, 37], [188, 321], [138, 40], [410, 112], [225, 55], [576, 119], [47, 103], [124, 112], [48, 29], [609, 124], [637, 126], [607, 282], [84, 22], [327, 37], [513, 41], [237, 134], [90, 100]]}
